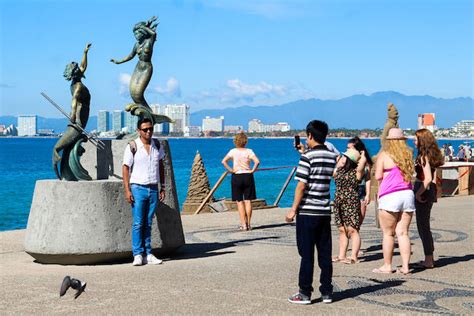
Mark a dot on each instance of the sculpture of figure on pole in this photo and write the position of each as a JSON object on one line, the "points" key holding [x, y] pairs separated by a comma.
{"points": [[70, 141], [145, 34]]}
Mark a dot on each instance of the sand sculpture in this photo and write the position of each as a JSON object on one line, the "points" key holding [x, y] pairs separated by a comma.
{"points": [[392, 121]]}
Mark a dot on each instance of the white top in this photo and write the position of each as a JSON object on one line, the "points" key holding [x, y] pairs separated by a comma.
{"points": [[241, 159], [144, 167]]}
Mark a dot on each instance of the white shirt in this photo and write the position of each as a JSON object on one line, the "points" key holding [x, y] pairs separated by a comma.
{"points": [[144, 167]]}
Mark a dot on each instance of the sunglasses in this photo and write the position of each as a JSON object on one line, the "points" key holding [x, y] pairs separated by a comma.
{"points": [[146, 130]]}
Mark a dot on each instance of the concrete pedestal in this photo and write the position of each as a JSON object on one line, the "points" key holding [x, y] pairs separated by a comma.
{"points": [[90, 222]]}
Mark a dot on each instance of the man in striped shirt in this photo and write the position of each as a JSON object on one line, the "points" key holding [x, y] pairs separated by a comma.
{"points": [[311, 206]]}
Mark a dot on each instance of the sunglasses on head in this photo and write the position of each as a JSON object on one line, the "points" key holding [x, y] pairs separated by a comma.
{"points": [[148, 129]]}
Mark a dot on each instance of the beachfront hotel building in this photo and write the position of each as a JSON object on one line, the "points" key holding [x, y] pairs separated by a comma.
{"points": [[233, 129], [117, 120], [464, 128], [427, 120], [177, 112], [27, 125], [213, 124], [103, 121], [256, 126]]}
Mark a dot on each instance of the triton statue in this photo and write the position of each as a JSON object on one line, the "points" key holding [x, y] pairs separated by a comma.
{"points": [[70, 142], [145, 33]]}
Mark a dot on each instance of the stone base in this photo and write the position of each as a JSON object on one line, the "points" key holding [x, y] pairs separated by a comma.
{"points": [[256, 204], [89, 222], [189, 208]]}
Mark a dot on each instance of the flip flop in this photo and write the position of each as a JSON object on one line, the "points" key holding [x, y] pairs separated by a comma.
{"points": [[399, 271], [421, 265], [382, 271], [337, 259]]}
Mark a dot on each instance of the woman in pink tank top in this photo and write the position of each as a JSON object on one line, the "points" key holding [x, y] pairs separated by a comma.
{"points": [[396, 201], [242, 182]]}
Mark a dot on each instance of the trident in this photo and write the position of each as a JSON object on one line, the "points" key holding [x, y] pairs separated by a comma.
{"points": [[95, 141]]}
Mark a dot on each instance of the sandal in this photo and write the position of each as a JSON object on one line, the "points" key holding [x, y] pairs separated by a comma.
{"points": [[242, 228], [337, 259], [249, 227], [350, 261]]}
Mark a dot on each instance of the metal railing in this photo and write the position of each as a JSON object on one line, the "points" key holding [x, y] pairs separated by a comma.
{"points": [[223, 176]]}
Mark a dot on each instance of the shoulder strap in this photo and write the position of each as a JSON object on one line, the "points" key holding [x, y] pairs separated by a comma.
{"points": [[133, 147]]}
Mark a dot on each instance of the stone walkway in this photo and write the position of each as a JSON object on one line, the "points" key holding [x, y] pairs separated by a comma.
{"points": [[225, 271]]}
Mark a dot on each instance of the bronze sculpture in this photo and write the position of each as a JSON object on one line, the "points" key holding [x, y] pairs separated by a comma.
{"points": [[70, 141], [145, 33]]}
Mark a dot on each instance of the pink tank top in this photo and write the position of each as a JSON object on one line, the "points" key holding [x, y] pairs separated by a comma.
{"points": [[393, 182]]}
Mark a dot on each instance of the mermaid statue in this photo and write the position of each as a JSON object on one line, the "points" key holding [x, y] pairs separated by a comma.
{"points": [[73, 137], [145, 33]]}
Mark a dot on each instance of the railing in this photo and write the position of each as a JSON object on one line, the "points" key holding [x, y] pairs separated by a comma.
{"points": [[222, 177]]}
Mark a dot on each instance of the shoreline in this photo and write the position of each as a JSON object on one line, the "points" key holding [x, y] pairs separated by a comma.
{"points": [[230, 137]]}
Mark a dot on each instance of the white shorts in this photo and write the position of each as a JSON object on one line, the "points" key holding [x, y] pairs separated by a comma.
{"points": [[398, 201]]}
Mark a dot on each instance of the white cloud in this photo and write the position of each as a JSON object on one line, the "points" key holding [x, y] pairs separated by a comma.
{"points": [[235, 92], [172, 88], [124, 80]]}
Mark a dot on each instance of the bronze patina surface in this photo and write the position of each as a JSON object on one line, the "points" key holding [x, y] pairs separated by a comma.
{"points": [[145, 34], [70, 142]]}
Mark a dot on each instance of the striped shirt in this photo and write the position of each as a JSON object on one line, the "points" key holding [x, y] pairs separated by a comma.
{"points": [[315, 169]]}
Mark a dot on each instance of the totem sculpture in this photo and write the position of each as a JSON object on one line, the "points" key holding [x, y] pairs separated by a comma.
{"points": [[145, 34], [73, 137]]}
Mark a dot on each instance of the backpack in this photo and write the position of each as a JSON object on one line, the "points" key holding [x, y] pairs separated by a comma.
{"points": [[133, 146]]}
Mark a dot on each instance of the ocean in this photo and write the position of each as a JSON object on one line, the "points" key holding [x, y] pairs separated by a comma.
{"points": [[23, 161]]}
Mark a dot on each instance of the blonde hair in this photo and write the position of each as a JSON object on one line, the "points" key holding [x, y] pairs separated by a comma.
{"points": [[402, 155], [240, 140]]}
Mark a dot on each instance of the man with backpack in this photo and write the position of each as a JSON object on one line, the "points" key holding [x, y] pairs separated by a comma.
{"points": [[143, 179]]}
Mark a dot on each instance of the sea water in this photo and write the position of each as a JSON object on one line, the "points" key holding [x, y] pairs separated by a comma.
{"points": [[23, 161]]}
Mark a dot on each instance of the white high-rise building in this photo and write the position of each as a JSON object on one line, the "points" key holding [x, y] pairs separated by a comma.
{"points": [[255, 126], [27, 125], [177, 112], [211, 124]]}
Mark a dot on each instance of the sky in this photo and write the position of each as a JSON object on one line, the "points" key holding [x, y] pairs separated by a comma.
{"points": [[218, 54]]}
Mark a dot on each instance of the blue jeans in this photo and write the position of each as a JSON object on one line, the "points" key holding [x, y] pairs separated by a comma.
{"points": [[146, 200]]}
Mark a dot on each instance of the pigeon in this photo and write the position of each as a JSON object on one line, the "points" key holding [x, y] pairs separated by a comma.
{"points": [[73, 283]]}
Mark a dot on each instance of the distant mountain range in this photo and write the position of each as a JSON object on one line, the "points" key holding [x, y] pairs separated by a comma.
{"points": [[357, 111]]}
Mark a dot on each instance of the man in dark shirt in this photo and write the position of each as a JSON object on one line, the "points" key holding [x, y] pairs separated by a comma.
{"points": [[311, 206]]}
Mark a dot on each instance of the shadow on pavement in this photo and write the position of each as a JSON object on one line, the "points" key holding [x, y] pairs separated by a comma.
{"points": [[272, 226], [203, 250], [351, 293], [446, 261]]}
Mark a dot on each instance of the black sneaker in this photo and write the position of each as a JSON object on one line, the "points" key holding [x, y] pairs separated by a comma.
{"points": [[327, 298], [299, 298]]}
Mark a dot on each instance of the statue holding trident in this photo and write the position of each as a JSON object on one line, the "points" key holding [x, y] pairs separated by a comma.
{"points": [[70, 142], [145, 33]]}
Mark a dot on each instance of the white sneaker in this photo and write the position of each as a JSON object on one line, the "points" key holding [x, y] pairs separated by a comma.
{"points": [[137, 260], [151, 259]]}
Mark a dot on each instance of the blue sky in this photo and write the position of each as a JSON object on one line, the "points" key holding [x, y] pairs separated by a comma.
{"points": [[216, 54]]}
